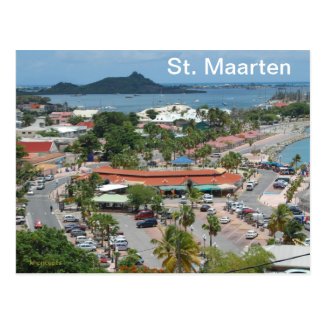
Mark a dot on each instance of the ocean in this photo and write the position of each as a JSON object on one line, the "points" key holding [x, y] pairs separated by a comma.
{"points": [[301, 147], [222, 97]]}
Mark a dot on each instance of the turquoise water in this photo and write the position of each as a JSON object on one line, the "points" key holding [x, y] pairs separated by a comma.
{"points": [[301, 147]]}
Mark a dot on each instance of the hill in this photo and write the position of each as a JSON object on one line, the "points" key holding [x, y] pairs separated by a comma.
{"points": [[135, 83]]}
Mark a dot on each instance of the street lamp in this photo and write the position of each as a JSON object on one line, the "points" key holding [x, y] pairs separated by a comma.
{"points": [[116, 258], [204, 237]]}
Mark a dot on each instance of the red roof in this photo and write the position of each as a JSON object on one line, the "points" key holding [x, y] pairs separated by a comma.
{"points": [[34, 147], [161, 178], [280, 104], [88, 124]]}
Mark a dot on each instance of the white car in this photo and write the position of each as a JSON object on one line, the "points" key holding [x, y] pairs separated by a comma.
{"points": [[49, 178], [70, 218], [30, 192], [307, 242], [211, 211], [224, 219], [81, 239], [87, 247], [251, 234], [301, 271], [207, 198], [92, 242]]}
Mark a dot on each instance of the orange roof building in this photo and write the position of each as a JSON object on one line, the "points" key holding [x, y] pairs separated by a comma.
{"points": [[169, 178]]}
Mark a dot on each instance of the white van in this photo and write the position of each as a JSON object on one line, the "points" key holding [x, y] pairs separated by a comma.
{"points": [[249, 187], [120, 243]]}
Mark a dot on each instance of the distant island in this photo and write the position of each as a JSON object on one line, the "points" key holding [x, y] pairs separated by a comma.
{"points": [[135, 83]]}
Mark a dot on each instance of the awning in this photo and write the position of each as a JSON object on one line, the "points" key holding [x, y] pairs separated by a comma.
{"points": [[207, 187], [175, 187], [111, 198], [182, 161], [227, 187], [111, 187]]}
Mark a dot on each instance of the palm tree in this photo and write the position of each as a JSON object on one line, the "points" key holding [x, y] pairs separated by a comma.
{"points": [[106, 223], [279, 218], [178, 249], [296, 159], [194, 195], [156, 203], [213, 226], [187, 216], [292, 231]]}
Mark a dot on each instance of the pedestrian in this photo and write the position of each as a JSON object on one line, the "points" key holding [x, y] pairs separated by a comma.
{"points": [[51, 208]]}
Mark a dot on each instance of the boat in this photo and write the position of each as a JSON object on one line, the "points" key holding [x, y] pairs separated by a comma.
{"points": [[128, 96]]}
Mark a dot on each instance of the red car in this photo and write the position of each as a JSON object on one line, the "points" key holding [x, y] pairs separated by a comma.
{"points": [[38, 224], [144, 214], [248, 210]]}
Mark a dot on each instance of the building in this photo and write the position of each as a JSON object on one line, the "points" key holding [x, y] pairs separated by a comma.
{"points": [[216, 180], [60, 117], [282, 252], [34, 107], [38, 148], [69, 131], [86, 113], [88, 124]]}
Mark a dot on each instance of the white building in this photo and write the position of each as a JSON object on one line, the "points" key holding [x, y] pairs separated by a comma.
{"points": [[86, 113]]}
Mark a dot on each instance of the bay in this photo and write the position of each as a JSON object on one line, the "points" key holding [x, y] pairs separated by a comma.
{"points": [[240, 98]]}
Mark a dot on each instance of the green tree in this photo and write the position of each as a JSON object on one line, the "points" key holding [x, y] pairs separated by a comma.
{"points": [[151, 113], [48, 121], [187, 216], [75, 119], [105, 223], [47, 250], [193, 195], [139, 195], [85, 145], [221, 262], [293, 231], [279, 218], [212, 226], [28, 119], [296, 159], [178, 249], [156, 203]]}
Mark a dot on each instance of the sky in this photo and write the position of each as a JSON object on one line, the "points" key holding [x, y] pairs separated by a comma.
{"points": [[82, 67]]}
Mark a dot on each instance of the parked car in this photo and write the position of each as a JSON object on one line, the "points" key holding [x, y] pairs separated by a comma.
{"points": [[30, 192], [166, 214], [77, 232], [295, 209], [207, 198], [38, 224], [49, 178], [40, 178], [247, 211], [147, 223], [251, 234], [301, 271], [205, 207], [121, 244], [81, 239], [280, 184], [211, 211], [249, 187], [224, 219], [144, 214], [307, 225], [93, 242], [88, 247], [307, 242], [215, 155], [70, 218], [20, 220], [103, 260]]}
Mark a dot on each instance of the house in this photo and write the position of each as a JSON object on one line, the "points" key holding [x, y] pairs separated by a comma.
{"points": [[60, 117], [70, 131], [38, 148], [86, 113], [88, 124], [34, 107]]}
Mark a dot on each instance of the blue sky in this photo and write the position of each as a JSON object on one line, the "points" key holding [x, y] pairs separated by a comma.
{"points": [[82, 67]]}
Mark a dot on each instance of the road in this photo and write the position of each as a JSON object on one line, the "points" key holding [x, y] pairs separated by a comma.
{"points": [[38, 207], [250, 198]]}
